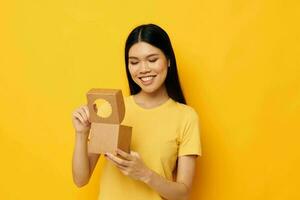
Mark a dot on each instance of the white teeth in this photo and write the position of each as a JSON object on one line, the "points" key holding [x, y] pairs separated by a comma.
{"points": [[148, 78]]}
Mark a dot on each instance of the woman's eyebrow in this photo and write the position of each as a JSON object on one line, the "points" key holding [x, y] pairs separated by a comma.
{"points": [[153, 54], [132, 57]]}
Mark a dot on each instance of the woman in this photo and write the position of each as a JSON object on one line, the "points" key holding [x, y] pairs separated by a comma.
{"points": [[165, 135]]}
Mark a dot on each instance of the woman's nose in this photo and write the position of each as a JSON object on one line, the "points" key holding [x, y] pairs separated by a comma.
{"points": [[145, 67]]}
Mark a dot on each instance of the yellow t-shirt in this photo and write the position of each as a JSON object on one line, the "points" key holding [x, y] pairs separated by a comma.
{"points": [[159, 135]]}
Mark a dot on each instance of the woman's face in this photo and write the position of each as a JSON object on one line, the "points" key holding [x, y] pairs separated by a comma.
{"points": [[148, 66]]}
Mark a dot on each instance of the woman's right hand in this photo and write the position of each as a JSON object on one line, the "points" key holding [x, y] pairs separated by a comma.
{"points": [[81, 119]]}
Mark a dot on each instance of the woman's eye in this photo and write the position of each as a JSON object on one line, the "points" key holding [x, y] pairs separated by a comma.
{"points": [[153, 60], [134, 63]]}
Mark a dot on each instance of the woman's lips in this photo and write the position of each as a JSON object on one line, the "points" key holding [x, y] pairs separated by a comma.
{"points": [[147, 80]]}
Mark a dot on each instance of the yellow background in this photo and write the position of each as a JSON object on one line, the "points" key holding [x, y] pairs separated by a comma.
{"points": [[239, 67]]}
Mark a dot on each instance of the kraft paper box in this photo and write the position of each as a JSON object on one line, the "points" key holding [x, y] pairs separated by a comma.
{"points": [[107, 134]]}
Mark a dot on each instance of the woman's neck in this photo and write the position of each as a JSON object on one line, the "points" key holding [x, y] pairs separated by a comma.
{"points": [[150, 100]]}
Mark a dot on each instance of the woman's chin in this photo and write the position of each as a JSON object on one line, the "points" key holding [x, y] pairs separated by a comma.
{"points": [[148, 90]]}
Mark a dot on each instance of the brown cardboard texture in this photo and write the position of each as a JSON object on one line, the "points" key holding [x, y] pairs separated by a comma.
{"points": [[107, 134], [114, 97], [108, 137]]}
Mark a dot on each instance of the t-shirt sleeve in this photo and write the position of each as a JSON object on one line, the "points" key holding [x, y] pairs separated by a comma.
{"points": [[190, 143]]}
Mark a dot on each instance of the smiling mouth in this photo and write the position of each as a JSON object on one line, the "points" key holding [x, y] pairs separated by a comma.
{"points": [[146, 80]]}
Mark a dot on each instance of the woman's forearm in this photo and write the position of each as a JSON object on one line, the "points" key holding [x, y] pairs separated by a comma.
{"points": [[80, 161], [167, 189], [132, 165]]}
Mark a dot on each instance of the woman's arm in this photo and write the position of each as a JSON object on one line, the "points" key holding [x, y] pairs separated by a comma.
{"points": [[133, 166], [83, 163], [179, 189]]}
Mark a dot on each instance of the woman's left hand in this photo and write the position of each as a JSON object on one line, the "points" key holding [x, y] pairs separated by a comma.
{"points": [[132, 165]]}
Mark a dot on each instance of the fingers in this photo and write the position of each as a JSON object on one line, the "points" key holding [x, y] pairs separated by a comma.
{"points": [[121, 167], [124, 154], [78, 116], [134, 154], [118, 161], [86, 110], [83, 111], [82, 114]]}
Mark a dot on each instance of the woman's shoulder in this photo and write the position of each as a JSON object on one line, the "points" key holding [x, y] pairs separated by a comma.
{"points": [[187, 110]]}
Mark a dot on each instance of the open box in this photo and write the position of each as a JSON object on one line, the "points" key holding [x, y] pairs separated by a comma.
{"points": [[107, 134]]}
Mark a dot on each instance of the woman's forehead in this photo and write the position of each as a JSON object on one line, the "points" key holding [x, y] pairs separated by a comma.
{"points": [[143, 49]]}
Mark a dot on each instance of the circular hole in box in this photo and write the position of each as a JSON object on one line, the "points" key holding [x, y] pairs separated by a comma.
{"points": [[104, 108]]}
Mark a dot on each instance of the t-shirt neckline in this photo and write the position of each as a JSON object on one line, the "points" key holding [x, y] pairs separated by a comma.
{"points": [[164, 104]]}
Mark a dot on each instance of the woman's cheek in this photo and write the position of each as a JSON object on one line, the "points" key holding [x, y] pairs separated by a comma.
{"points": [[132, 70], [133, 73], [161, 66]]}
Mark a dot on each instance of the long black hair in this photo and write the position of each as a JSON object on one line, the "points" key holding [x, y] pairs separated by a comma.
{"points": [[156, 36]]}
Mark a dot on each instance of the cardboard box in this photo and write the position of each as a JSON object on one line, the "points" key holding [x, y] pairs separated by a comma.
{"points": [[107, 134]]}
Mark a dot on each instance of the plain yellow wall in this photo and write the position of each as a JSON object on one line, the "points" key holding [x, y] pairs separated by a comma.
{"points": [[239, 67]]}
